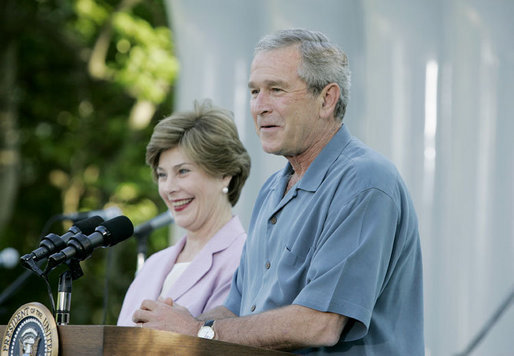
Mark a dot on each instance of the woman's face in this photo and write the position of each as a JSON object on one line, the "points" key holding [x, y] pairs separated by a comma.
{"points": [[195, 198]]}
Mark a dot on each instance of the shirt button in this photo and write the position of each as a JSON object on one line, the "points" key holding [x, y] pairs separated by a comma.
{"points": [[252, 308], [274, 220], [268, 265]]}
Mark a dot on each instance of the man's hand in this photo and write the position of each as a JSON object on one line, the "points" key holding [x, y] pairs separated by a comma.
{"points": [[164, 314]]}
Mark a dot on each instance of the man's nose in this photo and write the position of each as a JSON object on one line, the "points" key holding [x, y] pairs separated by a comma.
{"points": [[260, 103]]}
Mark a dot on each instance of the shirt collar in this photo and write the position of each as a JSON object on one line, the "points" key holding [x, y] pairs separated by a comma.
{"points": [[319, 167]]}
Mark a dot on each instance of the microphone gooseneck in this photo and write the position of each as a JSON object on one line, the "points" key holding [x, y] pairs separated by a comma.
{"points": [[157, 222]]}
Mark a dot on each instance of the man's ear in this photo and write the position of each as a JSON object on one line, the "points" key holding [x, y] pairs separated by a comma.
{"points": [[329, 97]]}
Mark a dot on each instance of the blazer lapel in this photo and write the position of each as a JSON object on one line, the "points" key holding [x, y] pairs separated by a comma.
{"points": [[202, 263]]}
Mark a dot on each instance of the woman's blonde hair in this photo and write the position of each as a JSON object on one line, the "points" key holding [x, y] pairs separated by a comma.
{"points": [[208, 136]]}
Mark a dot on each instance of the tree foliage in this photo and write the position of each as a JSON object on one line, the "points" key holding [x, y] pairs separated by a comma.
{"points": [[82, 83]]}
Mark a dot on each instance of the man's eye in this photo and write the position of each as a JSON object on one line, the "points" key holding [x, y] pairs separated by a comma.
{"points": [[276, 90], [254, 92]]}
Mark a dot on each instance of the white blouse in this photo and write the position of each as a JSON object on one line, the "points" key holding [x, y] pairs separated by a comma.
{"points": [[176, 271]]}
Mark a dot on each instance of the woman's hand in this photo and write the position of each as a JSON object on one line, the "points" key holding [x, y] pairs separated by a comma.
{"points": [[164, 314]]}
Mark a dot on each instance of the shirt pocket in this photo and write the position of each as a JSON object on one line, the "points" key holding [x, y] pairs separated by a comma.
{"points": [[295, 256]]}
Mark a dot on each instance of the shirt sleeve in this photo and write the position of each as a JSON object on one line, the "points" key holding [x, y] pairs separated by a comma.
{"points": [[351, 258], [233, 301]]}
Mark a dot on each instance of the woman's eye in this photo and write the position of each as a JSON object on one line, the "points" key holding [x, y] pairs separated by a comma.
{"points": [[161, 175], [183, 171]]}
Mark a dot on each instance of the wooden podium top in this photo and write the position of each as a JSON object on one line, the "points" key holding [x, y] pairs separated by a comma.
{"points": [[116, 340]]}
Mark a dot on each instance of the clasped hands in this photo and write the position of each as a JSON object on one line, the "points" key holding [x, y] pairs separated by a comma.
{"points": [[164, 314]]}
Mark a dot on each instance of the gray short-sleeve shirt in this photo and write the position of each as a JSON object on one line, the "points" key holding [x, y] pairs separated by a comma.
{"points": [[344, 240]]}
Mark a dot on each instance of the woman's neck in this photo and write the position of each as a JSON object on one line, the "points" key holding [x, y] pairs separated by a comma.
{"points": [[196, 240]]}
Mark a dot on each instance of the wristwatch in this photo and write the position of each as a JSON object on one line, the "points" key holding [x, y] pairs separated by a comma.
{"points": [[207, 330]]}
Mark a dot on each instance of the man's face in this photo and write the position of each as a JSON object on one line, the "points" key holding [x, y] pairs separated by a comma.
{"points": [[285, 113]]}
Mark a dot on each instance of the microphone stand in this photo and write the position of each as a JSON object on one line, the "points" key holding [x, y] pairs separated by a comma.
{"points": [[63, 307], [62, 312], [141, 233], [142, 239], [489, 324]]}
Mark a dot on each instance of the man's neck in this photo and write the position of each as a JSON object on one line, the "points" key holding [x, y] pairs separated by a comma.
{"points": [[301, 162]]}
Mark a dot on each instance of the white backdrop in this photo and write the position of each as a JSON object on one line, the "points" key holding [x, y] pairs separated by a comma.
{"points": [[433, 89]]}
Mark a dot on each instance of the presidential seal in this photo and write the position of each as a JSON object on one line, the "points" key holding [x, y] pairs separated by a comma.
{"points": [[31, 331]]}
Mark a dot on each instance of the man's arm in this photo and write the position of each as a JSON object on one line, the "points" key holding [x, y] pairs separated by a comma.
{"points": [[220, 312], [290, 327]]}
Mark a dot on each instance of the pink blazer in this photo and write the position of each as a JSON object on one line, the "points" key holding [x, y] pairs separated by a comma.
{"points": [[202, 286]]}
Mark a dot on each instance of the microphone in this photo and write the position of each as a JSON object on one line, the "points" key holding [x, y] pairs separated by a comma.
{"points": [[9, 257], [81, 246], [105, 214], [153, 224], [52, 243]]}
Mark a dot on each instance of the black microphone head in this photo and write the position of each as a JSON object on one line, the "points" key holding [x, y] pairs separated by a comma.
{"points": [[88, 226], [120, 228]]}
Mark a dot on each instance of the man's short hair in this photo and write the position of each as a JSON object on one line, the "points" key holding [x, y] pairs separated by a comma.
{"points": [[322, 62]]}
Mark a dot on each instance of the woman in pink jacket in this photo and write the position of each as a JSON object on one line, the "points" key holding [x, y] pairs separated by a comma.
{"points": [[200, 166]]}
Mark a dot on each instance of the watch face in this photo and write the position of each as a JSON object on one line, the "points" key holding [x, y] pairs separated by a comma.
{"points": [[206, 332]]}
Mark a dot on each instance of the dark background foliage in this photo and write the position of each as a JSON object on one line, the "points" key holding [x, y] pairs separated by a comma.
{"points": [[82, 83]]}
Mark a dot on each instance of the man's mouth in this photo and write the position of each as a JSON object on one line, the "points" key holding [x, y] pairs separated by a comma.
{"points": [[268, 127]]}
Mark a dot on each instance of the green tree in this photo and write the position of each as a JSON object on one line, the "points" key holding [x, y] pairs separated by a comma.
{"points": [[82, 83]]}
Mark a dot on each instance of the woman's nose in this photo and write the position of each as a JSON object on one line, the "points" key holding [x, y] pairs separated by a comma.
{"points": [[169, 185]]}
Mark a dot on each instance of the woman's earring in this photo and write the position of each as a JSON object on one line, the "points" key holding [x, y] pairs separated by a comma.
{"points": [[225, 190]]}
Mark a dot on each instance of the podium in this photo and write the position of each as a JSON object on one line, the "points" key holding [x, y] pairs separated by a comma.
{"points": [[116, 340]]}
